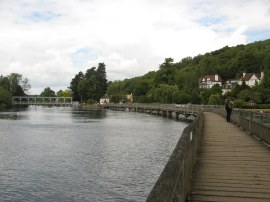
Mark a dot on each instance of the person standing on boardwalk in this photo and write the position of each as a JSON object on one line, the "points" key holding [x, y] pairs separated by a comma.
{"points": [[229, 108]]}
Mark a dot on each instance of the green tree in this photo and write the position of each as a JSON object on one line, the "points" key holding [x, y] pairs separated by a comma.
{"points": [[74, 86], [5, 98], [64, 93], [245, 95], [4, 82], [19, 86], [82, 85], [115, 98], [195, 98], [91, 86], [184, 97], [47, 92], [164, 94], [216, 89], [101, 80], [166, 73], [204, 96], [142, 86], [215, 99], [266, 78], [16, 84], [115, 87]]}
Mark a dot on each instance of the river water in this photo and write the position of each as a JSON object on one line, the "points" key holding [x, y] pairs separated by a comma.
{"points": [[66, 154]]}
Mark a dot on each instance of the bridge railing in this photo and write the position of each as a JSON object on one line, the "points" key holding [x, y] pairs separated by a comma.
{"points": [[174, 107], [174, 183], [37, 100]]}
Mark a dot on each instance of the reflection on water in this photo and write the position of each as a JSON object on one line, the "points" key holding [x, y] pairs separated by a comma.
{"points": [[65, 154], [88, 114]]}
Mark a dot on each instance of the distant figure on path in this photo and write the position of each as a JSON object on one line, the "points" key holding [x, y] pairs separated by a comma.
{"points": [[229, 108]]}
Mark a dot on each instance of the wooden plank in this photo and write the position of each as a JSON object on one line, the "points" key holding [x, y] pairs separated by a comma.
{"points": [[232, 165], [203, 198], [235, 193], [232, 187]]}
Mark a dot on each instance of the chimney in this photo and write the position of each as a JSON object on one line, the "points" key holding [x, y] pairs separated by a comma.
{"points": [[262, 75], [244, 74], [216, 77]]}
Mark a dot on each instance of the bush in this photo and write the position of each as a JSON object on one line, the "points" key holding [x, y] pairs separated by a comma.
{"points": [[239, 103], [90, 101], [215, 99]]}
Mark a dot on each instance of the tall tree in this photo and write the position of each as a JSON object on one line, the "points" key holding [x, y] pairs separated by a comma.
{"points": [[74, 86], [266, 70], [5, 98], [47, 92], [102, 80], [90, 84]]}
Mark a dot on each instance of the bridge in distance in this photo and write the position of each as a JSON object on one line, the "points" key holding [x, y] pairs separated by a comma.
{"points": [[38, 100]]}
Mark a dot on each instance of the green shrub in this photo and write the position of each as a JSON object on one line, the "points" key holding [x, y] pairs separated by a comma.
{"points": [[239, 103]]}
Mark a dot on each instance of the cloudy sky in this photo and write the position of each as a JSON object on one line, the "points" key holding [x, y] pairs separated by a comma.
{"points": [[49, 41]]}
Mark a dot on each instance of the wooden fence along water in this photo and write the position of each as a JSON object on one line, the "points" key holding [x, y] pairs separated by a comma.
{"points": [[174, 183]]}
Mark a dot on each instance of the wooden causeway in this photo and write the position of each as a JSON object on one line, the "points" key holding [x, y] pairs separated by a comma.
{"points": [[232, 165]]}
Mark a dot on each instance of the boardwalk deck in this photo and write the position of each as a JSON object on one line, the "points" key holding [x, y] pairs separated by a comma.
{"points": [[232, 165]]}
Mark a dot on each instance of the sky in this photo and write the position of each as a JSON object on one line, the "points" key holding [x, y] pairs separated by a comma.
{"points": [[50, 41]]}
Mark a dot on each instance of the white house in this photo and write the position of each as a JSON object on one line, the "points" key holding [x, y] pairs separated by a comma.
{"points": [[209, 81], [251, 78], [229, 85], [130, 98], [104, 100]]}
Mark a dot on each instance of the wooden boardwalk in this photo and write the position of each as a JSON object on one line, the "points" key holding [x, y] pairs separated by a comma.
{"points": [[232, 165]]}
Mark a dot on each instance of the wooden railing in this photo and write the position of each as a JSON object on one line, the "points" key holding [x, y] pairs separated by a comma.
{"points": [[174, 183]]}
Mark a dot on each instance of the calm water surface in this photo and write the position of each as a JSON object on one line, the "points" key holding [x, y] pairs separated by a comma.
{"points": [[64, 154]]}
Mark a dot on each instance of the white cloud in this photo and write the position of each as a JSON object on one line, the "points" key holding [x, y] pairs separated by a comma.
{"points": [[50, 41]]}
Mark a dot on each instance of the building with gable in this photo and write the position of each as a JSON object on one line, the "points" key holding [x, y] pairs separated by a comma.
{"points": [[250, 78], [209, 81], [104, 100]]}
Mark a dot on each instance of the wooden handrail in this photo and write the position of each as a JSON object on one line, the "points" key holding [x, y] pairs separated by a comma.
{"points": [[174, 183]]}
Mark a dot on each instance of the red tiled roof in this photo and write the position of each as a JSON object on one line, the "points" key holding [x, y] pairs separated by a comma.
{"points": [[211, 78], [249, 75]]}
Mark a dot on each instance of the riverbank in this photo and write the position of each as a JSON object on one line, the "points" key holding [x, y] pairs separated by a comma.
{"points": [[92, 106]]}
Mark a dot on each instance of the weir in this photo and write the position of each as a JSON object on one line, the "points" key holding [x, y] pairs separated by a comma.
{"points": [[38, 100], [183, 180]]}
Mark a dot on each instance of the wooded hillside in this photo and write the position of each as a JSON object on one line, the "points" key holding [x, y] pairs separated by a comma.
{"points": [[177, 82]]}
